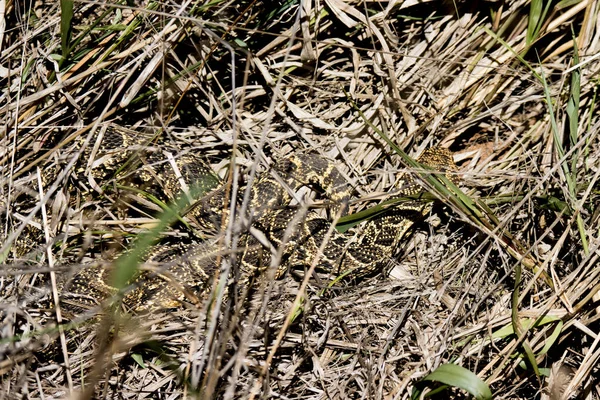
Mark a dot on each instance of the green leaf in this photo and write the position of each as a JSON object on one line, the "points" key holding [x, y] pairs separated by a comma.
{"points": [[508, 329], [535, 12], [126, 266], [566, 4], [139, 360], [574, 97], [552, 338], [240, 43], [545, 372], [554, 204], [66, 19], [460, 377], [537, 16]]}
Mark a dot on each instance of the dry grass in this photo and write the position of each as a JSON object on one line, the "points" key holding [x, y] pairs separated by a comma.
{"points": [[505, 85]]}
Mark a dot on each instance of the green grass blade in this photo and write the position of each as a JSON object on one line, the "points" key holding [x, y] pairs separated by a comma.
{"points": [[476, 211], [66, 18], [438, 181], [570, 175], [530, 323], [126, 266], [516, 323], [537, 16], [460, 377], [552, 338], [508, 330], [566, 4], [573, 103], [573, 117], [349, 221], [139, 359]]}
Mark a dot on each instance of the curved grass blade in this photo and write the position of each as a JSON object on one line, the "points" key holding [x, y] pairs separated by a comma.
{"points": [[126, 266], [456, 376], [350, 221], [508, 330]]}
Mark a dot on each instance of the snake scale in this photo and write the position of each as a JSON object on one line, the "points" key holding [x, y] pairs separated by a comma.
{"points": [[181, 272]]}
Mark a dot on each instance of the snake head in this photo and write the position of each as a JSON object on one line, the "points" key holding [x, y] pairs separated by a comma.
{"points": [[437, 159], [440, 160]]}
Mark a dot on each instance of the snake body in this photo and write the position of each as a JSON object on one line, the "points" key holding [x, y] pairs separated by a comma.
{"points": [[181, 272]]}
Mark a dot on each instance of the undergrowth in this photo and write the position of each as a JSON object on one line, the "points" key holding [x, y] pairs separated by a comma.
{"points": [[495, 294]]}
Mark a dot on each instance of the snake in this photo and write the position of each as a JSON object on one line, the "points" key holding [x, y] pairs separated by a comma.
{"points": [[181, 272]]}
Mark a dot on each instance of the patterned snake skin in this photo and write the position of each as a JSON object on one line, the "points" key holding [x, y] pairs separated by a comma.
{"points": [[177, 273]]}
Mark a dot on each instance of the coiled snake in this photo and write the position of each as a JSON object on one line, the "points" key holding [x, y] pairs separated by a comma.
{"points": [[186, 269]]}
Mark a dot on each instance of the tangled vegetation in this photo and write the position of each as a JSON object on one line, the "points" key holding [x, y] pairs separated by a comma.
{"points": [[495, 294]]}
